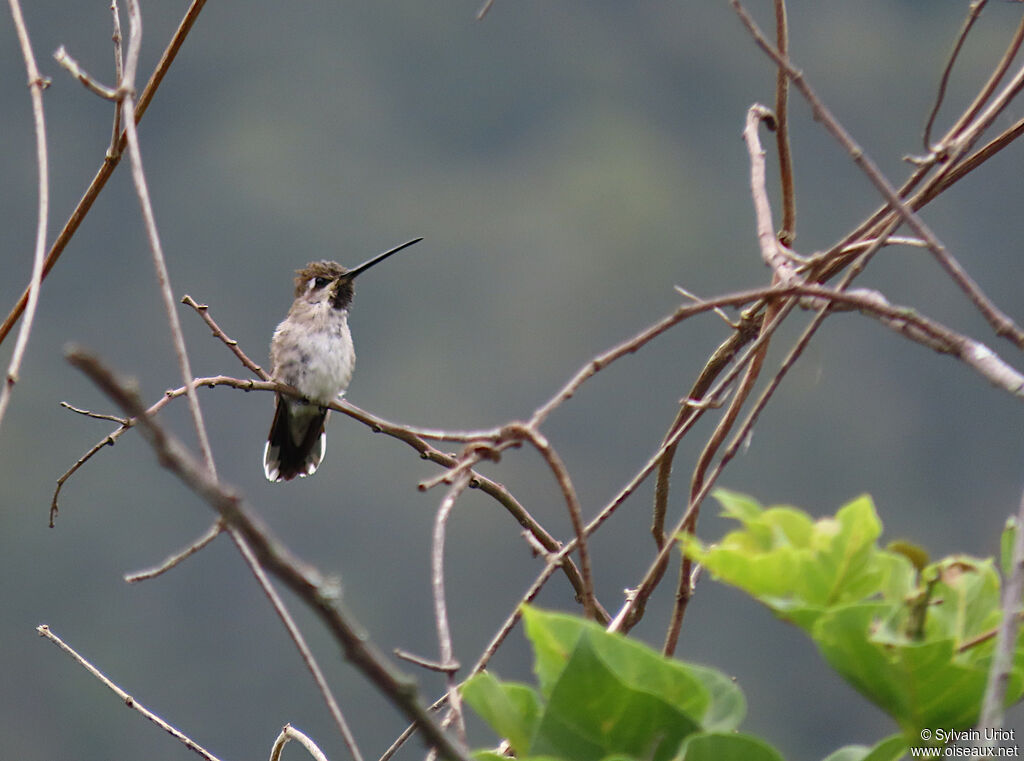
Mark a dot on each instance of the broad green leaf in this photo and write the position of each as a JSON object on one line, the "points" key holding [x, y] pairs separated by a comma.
{"points": [[842, 566], [553, 638], [796, 566], [593, 712], [967, 598], [611, 695], [915, 639], [556, 637], [921, 684], [722, 746], [727, 707], [512, 710]]}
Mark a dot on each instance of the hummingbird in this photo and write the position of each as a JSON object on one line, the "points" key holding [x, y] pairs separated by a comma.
{"points": [[312, 351]]}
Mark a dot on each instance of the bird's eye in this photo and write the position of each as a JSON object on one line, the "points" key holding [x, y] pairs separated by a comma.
{"points": [[321, 282]]}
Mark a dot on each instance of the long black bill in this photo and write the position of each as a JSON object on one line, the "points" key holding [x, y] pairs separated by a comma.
{"points": [[378, 258]]}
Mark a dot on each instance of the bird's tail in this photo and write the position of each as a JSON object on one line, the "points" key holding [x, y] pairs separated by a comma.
{"points": [[296, 443]]}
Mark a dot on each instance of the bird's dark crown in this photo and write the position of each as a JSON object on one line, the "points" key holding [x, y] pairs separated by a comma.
{"points": [[325, 275], [330, 271]]}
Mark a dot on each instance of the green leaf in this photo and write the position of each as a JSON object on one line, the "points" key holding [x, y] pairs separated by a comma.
{"points": [[738, 506], [511, 709], [921, 684], [969, 601], [797, 566], [727, 707], [890, 749], [602, 696], [721, 746], [557, 636], [842, 564], [913, 637], [612, 695]]}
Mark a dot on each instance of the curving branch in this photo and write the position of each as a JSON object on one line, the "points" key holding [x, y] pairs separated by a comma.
{"points": [[36, 85]]}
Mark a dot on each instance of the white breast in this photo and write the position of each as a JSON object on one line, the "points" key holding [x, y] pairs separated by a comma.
{"points": [[317, 359]]}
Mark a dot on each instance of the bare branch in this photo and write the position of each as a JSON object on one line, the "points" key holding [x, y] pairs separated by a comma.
{"points": [[572, 503], [203, 310], [781, 260], [95, 415], [128, 700], [151, 573], [429, 665], [787, 234], [36, 85], [444, 635], [72, 67], [126, 94], [291, 733], [973, 12]]}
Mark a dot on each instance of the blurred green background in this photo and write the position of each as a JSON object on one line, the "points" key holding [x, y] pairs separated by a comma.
{"points": [[567, 164]]}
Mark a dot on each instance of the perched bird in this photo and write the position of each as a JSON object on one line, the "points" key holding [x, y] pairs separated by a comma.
{"points": [[312, 351]]}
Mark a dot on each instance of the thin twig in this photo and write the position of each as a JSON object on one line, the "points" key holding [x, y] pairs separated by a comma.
{"points": [[960, 126], [572, 504], [291, 733], [115, 131], [203, 310], [126, 94], [36, 85], [781, 260], [70, 65], [426, 663], [107, 167], [787, 234], [483, 9], [151, 573], [973, 12], [489, 651], [745, 332], [95, 415], [128, 700], [444, 634]]}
